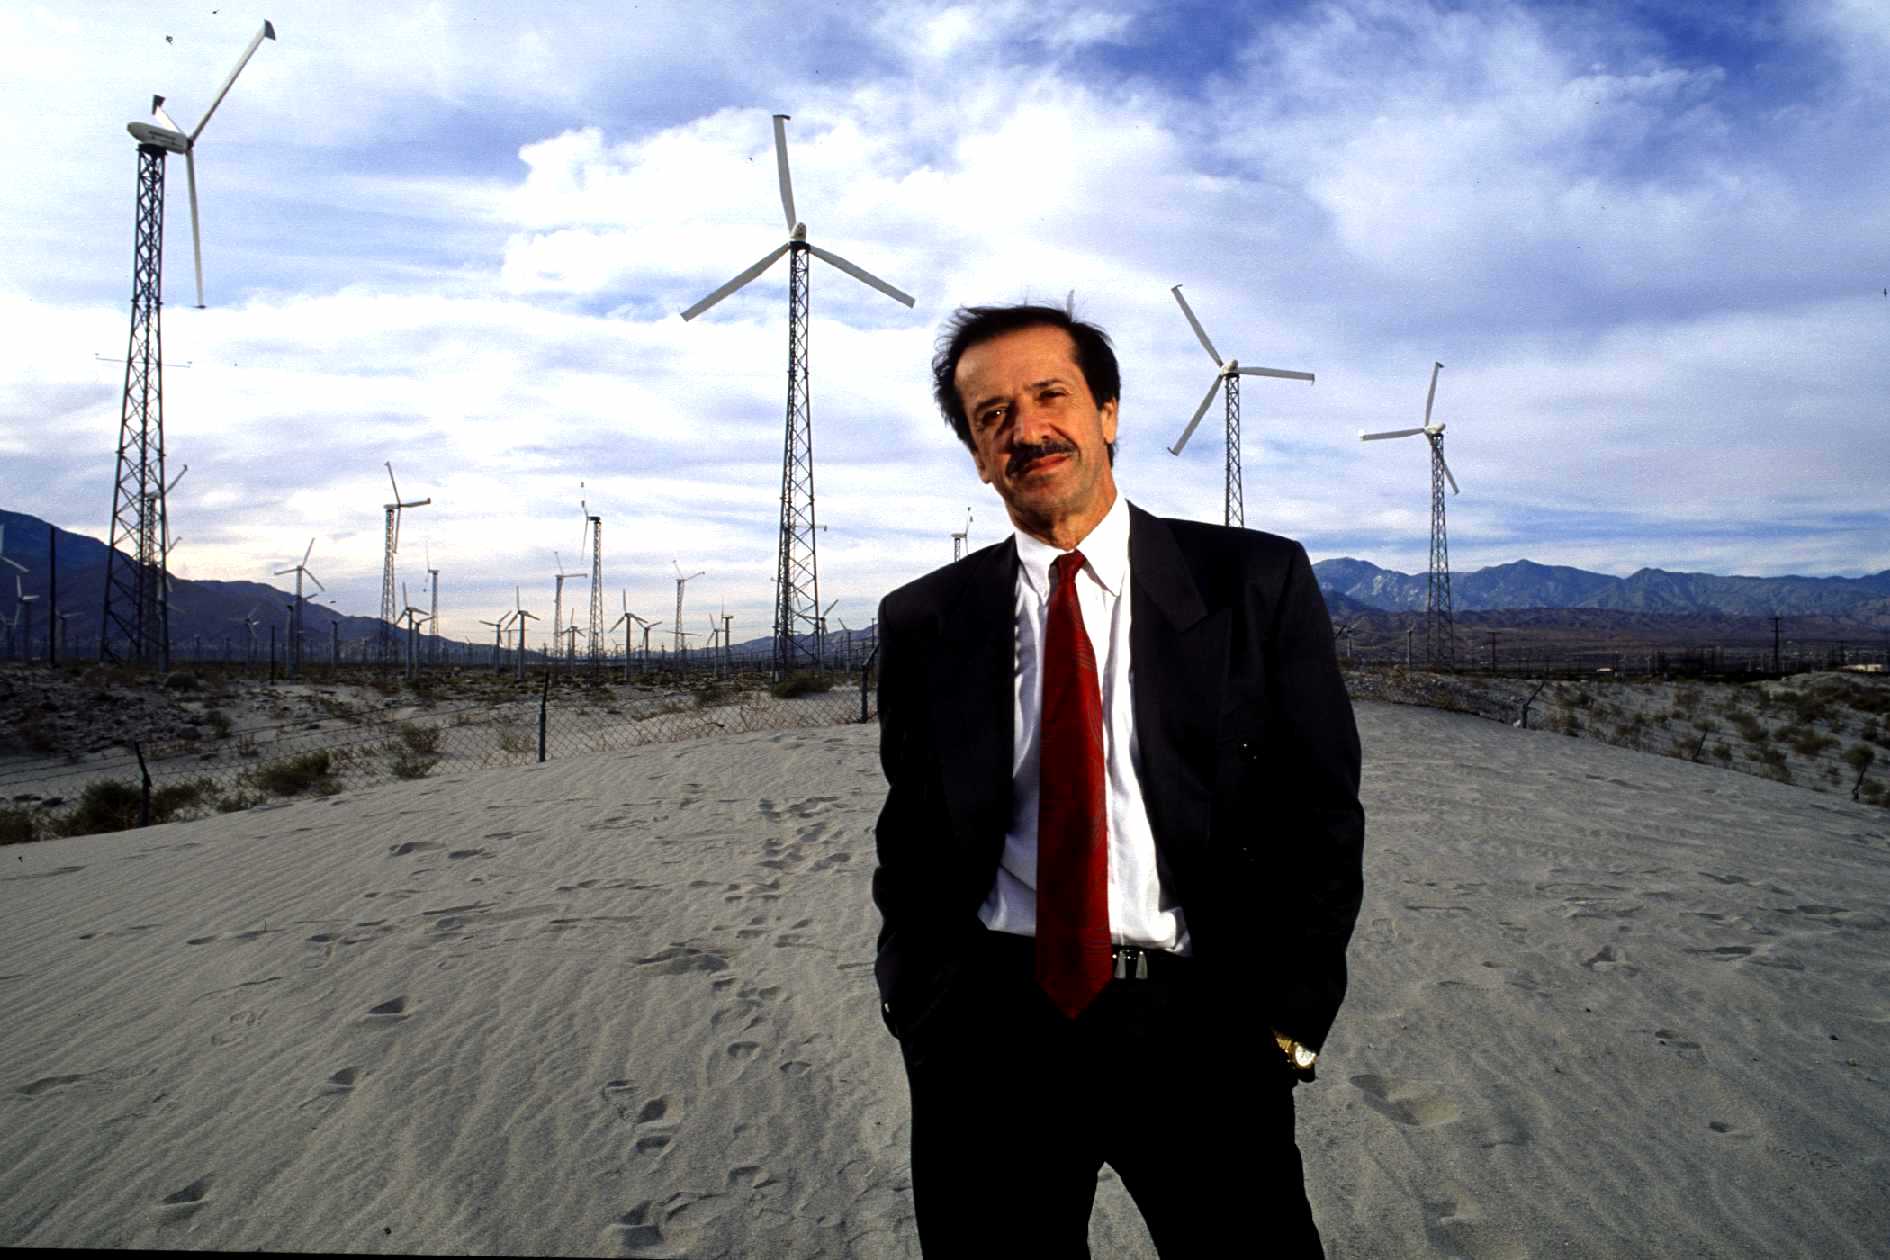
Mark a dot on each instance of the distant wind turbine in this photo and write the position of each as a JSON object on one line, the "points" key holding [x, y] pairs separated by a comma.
{"points": [[1228, 378], [1440, 623]]}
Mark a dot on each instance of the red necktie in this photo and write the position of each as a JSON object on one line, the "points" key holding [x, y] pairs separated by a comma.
{"points": [[1073, 960]]}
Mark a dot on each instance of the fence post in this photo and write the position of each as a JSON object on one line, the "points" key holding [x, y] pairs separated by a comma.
{"points": [[866, 669], [544, 699], [272, 653], [144, 793], [1531, 700]]}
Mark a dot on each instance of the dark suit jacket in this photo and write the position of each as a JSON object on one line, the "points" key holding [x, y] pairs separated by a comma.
{"points": [[1250, 768]]}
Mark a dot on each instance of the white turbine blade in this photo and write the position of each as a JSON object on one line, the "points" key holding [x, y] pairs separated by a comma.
{"points": [[267, 32], [157, 109], [780, 158], [737, 282], [391, 481], [861, 274], [196, 237], [396, 531], [1194, 423], [311, 577], [308, 553], [1373, 437], [1198, 330], [15, 563], [1432, 396], [1275, 372]]}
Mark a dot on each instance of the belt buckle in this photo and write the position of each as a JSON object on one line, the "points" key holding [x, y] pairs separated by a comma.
{"points": [[1122, 955]]}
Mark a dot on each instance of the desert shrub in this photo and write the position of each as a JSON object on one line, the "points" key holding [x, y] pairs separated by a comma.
{"points": [[105, 805], [424, 740], [1874, 793], [407, 763], [513, 740], [291, 776], [174, 798], [1569, 724], [219, 722], [800, 684], [17, 826], [240, 798], [1809, 743], [1722, 753], [715, 694], [181, 680], [1859, 757]]}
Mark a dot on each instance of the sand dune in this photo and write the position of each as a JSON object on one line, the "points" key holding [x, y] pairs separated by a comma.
{"points": [[1603, 1004]]}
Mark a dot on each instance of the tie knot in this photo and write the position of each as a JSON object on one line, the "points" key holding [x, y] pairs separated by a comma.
{"points": [[1067, 566]]}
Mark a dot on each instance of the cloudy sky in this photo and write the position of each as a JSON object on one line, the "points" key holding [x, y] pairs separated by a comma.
{"points": [[1647, 241]]}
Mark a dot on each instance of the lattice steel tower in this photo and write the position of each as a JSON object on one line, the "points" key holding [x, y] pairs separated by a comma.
{"points": [[797, 574], [136, 621], [1235, 511], [1440, 623], [596, 524]]}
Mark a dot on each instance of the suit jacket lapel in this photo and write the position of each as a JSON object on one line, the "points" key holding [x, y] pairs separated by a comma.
{"points": [[1178, 659], [971, 689]]}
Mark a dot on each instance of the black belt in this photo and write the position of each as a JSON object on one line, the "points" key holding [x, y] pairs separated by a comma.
{"points": [[1127, 962]]}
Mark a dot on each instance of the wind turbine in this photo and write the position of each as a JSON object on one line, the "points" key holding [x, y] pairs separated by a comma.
{"points": [[134, 605], [413, 615], [295, 621], [647, 627], [433, 618], [820, 632], [557, 603], [596, 631], [1440, 623], [961, 539], [681, 581], [522, 616], [797, 576], [1228, 378], [24, 606], [498, 631], [624, 621], [388, 615], [250, 623], [4, 558]]}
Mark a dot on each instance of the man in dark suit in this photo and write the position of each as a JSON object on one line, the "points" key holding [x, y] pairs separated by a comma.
{"points": [[1121, 853]]}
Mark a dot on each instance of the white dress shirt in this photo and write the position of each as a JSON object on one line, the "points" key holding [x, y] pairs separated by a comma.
{"points": [[1139, 911]]}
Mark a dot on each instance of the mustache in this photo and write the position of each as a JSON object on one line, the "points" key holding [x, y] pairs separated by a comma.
{"points": [[1023, 456]]}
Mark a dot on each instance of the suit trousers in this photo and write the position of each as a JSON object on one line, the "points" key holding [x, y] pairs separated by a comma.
{"points": [[1015, 1108]]}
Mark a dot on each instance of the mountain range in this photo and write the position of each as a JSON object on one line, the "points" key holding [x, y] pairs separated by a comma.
{"points": [[1526, 584], [215, 610]]}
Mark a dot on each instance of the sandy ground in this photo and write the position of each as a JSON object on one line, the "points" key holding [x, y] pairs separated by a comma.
{"points": [[1604, 1004]]}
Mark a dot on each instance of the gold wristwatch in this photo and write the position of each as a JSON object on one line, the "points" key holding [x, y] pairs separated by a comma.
{"points": [[1301, 1057]]}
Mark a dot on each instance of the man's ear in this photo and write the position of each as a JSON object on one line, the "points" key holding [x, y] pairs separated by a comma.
{"points": [[1108, 412]]}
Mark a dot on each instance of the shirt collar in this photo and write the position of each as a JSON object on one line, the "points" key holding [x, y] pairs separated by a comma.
{"points": [[1105, 552]]}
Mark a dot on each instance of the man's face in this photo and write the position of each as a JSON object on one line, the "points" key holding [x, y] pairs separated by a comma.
{"points": [[1039, 438]]}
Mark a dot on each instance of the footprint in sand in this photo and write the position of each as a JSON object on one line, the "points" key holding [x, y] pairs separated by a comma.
{"points": [[392, 1011], [1407, 1102], [1608, 958], [832, 860], [680, 959], [411, 846], [1673, 1040], [1456, 1227], [186, 1201]]}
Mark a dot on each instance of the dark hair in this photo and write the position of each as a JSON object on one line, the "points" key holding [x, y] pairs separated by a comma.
{"points": [[971, 325]]}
